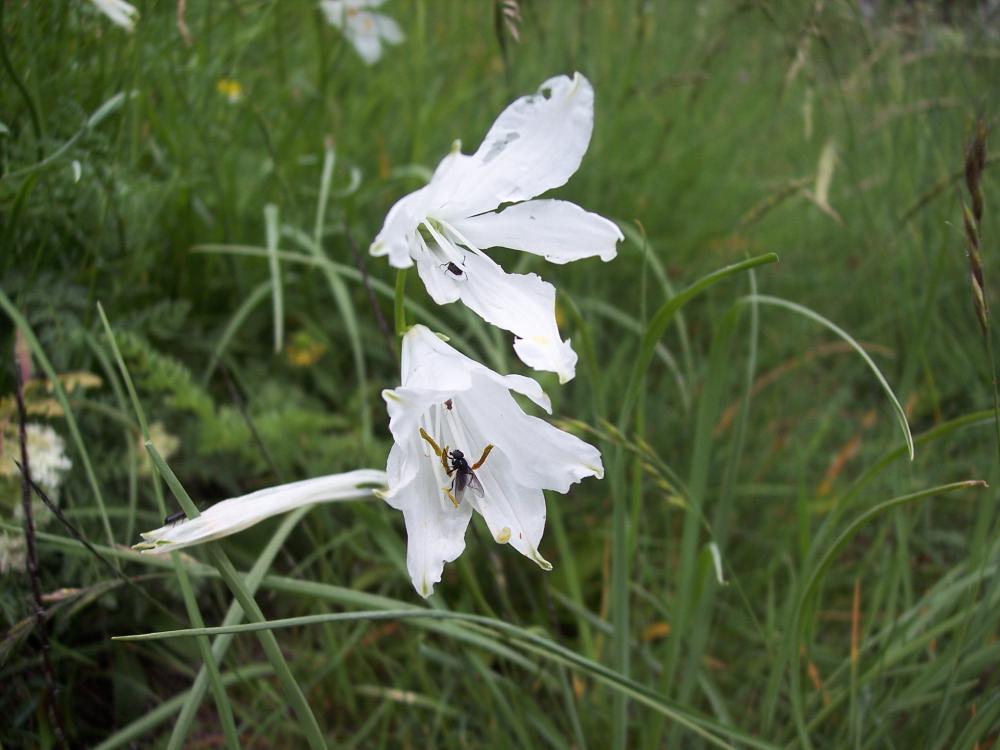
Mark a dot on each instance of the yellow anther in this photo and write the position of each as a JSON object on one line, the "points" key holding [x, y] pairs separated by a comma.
{"points": [[504, 536]]}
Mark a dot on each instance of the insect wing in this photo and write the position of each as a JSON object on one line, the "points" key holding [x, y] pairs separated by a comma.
{"points": [[466, 480], [475, 485]]}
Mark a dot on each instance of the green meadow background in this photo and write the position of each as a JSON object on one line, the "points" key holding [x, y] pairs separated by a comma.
{"points": [[858, 602]]}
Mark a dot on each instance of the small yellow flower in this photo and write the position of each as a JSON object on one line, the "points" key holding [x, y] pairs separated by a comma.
{"points": [[230, 89], [304, 350]]}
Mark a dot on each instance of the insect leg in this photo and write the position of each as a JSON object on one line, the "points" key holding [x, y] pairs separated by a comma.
{"points": [[482, 458]]}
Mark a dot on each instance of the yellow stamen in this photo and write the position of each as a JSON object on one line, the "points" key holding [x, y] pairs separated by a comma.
{"points": [[429, 439], [482, 458]]}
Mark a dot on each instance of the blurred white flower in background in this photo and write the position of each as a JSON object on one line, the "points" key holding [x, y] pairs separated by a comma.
{"points": [[47, 457], [165, 442], [48, 464], [448, 403], [535, 145], [365, 30], [121, 13]]}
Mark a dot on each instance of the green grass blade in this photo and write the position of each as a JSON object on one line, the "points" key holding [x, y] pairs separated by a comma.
{"points": [[246, 307], [341, 296], [234, 616], [814, 578], [661, 319], [293, 693], [187, 591], [812, 315], [706, 728], [141, 728], [272, 227]]}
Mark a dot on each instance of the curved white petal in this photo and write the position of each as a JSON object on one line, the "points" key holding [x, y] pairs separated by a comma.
{"points": [[559, 231], [388, 29], [398, 238], [435, 277], [435, 529], [334, 11], [429, 363], [543, 455], [120, 13], [514, 513], [535, 145], [524, 305], [362, 31], [238, 513]]}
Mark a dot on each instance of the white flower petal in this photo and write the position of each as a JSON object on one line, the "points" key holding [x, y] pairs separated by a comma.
{"points": [[238, 513], [435, 529], [334, 12], [559, 231], [388, 29], [430, 363], [363, 34], [435, 275], [398, 238], [119, 12], [544, 456], [514, 513], [535, 145], [522, 304]]}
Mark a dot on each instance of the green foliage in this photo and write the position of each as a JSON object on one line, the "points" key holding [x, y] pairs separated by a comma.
{"points": [[831, 134]]}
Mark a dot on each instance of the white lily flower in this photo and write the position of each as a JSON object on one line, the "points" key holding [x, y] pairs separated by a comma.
{"points": [[238, 513], [363, 29], [121, 13], [535, 145], [450, 404]]}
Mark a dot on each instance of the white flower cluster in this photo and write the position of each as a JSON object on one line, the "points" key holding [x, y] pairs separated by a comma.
{"points": [[48, 464], [462, 444]]}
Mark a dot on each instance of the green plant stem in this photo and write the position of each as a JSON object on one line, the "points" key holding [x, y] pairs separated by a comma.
{"points": [[225, 709], [293, 693], [399, 302]]}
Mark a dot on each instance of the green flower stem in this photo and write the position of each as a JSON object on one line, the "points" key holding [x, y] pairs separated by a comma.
{"points": [[400, 302]]}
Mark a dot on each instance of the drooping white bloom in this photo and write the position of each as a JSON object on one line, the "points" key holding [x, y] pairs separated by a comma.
{"points": [[535, 145], [121, 13], [363, 28], [448, 402], [238, 513]]}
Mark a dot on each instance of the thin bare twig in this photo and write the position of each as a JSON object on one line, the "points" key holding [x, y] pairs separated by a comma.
{"points": [[75, 533], [383, 325], [21, 369]]}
